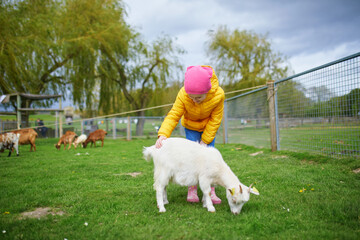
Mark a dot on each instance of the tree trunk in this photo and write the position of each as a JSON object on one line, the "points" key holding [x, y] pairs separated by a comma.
{"points": [[140, 124]]}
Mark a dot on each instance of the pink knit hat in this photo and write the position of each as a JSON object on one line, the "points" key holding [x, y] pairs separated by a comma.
{"points": [[198, 80]]}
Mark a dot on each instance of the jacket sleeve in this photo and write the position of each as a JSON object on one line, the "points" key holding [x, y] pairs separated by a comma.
{"points": [[214, 122], [172, 118]]}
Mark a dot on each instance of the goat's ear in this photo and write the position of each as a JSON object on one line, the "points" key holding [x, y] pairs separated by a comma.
{"points": [[232, 191], [240, 189]]}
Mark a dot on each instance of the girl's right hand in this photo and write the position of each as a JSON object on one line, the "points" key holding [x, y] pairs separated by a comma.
{"points": [[159, 143]]}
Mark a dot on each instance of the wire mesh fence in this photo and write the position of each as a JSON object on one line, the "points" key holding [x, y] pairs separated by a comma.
{"points": [[318, 110]]}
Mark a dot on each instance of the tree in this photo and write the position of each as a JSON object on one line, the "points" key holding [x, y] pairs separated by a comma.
{"points": [[28, 53], [244, 59], [146, 68], [85, 48], [48, 46]]}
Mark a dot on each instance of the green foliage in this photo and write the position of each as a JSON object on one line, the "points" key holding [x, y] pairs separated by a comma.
{"points": [[244, 59], [95, 188], [82, 47], [347, 105]]}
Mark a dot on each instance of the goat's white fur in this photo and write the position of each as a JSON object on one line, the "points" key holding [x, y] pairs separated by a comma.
{"points": [[79, 140], [188, 163]]}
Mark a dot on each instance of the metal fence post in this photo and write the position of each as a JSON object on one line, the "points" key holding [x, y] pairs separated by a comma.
{"points": [[277, 119], [60, 120], [56, 124], [128, 136], [114, 128], [271, 100]]}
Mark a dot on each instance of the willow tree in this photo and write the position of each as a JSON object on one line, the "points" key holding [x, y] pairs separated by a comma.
{"points": [[49, 46], [243, 58], [28, 53], [147, 66], [114, 65]]}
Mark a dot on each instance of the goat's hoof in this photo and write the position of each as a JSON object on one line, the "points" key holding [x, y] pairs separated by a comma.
{"points": [[161, 210], [166, 202], [211, 209]]}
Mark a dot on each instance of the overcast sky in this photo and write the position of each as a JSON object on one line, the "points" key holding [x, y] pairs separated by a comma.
{"points": [[309, 32]]}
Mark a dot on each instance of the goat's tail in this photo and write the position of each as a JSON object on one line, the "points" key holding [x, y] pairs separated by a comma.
{"points": [[148, 153]]}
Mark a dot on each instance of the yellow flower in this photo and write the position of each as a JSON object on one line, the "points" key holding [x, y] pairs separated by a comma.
{"points": [[6, 212], [312, 189]]}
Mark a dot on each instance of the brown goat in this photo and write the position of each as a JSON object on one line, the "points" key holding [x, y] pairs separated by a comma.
{"points": [[67, 138], [97, 135], [27, 136]]}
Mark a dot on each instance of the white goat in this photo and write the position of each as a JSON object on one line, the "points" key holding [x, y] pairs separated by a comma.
{"points": [[188, 163], [9, 141], [79, 140]]}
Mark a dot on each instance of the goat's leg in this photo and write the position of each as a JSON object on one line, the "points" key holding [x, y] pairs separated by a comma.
{"points": [[102, 143], [160, 198], [165, 196], [206, 189]]}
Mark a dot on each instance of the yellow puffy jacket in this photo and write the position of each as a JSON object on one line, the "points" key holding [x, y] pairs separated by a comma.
{"points": [[204, 117]]}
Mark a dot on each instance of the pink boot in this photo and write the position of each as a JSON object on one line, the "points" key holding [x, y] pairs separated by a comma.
{"points": [[214, 198], [192, 194]]}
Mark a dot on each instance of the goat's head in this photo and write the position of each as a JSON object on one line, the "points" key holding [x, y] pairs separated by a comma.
{"points": [[238, 196], [57, 146]]}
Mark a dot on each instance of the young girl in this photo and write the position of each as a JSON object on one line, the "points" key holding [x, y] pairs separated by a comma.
{"points": [[200, 105]]}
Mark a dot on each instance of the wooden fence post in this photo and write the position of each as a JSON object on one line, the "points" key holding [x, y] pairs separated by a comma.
{"points": [[271, 100], [18, 113]]}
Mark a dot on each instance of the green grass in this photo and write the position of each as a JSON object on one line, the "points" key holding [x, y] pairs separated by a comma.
{"points": [[333, 141], [95, 189]]}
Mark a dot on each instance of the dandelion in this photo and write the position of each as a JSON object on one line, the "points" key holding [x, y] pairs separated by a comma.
{"points": [[3, 231], [312, 189], [86, 224], [6, 213]]}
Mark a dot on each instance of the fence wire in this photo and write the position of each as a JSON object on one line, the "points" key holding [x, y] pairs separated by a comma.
{"points": [[318, 110]]}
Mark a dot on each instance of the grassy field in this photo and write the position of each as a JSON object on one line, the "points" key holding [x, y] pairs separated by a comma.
{"points": [[106, 193], [327, 140]]}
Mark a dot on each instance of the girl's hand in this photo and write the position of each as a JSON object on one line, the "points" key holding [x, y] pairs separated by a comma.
{"points": [[202, 143], [159, 143]]}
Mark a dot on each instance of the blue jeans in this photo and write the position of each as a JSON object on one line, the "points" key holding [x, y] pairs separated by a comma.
{"points": [[196, 136]]}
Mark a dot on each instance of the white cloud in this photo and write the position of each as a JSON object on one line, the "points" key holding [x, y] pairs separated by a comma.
{"points": [[306, 61], [309, 32]]}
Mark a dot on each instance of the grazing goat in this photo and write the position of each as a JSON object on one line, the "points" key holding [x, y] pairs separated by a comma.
{"points": [[9, 141], [188, 163], [97, 135], [67, 138], [27, 136], [79, 140]]}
